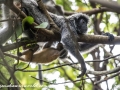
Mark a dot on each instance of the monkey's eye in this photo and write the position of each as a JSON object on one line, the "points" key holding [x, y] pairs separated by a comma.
{"points": [[82, 22]]}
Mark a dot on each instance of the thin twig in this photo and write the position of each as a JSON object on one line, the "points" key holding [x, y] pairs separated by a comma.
{"points": [[8, 20], [9, 70], [42, 6], [110, 4], [68, 75], [63, 82], [114, 75], [104, 59]]}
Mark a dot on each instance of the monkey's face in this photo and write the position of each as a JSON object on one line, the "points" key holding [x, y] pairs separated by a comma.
{"points": [[81, 26]]}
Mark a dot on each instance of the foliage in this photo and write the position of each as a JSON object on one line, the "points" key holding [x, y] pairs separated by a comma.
{"points": [[42, 25], [28, 20]]}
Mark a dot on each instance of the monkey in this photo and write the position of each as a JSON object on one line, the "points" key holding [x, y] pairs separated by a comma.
{"points": [[70, 29], [77, 24]]}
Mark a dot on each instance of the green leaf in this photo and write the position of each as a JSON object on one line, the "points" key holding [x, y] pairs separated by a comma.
{"points": [[28, 20], [42, 25], [85, 55]]}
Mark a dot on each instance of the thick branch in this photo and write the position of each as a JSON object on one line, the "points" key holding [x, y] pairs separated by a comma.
{"points": [[14, 46], [98, 39], [7, 30], [93, 11], [41, 5], [104, 72], [98, 10], [83, 38], [112, 76], [54, 37], [110, 4]]}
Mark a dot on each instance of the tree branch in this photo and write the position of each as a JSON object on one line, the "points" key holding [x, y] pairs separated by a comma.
{"points": [[41, 5], [98, 39], [106, 78], [93, 11], [53, 37], [7, 31], [110, 4], [83, 38], [11, 72]]}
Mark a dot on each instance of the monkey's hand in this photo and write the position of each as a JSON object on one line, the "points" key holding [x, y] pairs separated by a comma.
{"points": [[63, 54], [63, 51], [110, 36]]}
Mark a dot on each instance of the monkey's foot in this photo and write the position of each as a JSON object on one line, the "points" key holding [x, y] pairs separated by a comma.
{"points": [[81, 75], [83, 72]]}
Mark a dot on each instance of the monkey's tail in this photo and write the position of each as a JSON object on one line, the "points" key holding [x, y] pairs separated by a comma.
{"points": [[83, 71], [83, 66], [40, 74]]}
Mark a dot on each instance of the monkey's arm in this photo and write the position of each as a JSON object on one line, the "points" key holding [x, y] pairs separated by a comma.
{"points": [[71, 45], [88, 47]]}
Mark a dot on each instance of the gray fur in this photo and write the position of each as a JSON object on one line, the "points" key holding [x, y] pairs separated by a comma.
{"points": [[60, 21], [76, 24], [70, 33], [32, 7]]}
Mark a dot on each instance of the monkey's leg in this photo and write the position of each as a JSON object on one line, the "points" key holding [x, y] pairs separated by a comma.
{"points": [[63, 51]]}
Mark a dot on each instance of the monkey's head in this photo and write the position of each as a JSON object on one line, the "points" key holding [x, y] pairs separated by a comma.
{"points": [[80, 22]]}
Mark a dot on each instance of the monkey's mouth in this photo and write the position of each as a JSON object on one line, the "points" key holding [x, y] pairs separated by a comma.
{"points": [[81, 31]]}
